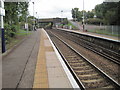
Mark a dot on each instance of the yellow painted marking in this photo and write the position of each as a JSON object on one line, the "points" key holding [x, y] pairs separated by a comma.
{"points": [[41, 76]]}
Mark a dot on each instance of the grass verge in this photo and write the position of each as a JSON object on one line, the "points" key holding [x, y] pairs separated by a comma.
{"points": [[73, 27], [104, 33], [20, 35]]}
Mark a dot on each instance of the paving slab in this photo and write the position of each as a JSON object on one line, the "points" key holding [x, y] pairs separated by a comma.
{"points": [[18, 67], [49, 67]]}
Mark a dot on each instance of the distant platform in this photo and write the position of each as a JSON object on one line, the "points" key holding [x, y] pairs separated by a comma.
{"points": [[113, 38]]}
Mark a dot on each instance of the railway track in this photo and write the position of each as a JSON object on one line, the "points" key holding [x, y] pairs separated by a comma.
{"points": [[86, 73], [106, 53]]}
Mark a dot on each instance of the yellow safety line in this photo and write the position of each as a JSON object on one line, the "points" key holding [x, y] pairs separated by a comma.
{"points": [[41, 76]]}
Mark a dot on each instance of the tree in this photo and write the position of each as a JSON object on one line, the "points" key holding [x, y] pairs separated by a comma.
{"points": [[75, 13], [79, 14], [15, 12], [89, 14], [23, 11], [108, 11], [11, 10]]}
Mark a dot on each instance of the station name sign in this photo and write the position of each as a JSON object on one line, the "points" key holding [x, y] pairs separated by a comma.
{"points": [[2, 12]]}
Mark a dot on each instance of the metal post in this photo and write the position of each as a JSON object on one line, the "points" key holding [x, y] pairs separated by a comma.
{"points": [[26, 24], [3, 35], [83, 16], [33, 16], [75, 15], [112, 30], [36, 20], [2, 31], [62, 18]]}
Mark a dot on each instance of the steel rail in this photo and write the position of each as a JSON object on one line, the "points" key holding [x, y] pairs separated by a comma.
{"points": [[97, 68], [103, 54]]}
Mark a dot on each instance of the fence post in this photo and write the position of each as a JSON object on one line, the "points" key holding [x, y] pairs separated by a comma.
{"points": [[112, 30]]}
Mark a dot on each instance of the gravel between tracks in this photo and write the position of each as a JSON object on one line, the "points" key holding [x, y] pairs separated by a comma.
{"points": [[107, 66]]}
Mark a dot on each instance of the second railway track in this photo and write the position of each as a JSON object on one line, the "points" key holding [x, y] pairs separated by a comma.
{"points": [[88, 75]]}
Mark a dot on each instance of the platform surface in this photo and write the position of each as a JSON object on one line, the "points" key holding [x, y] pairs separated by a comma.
{"points": [[18, 66], [49, 72], [95, 34]]}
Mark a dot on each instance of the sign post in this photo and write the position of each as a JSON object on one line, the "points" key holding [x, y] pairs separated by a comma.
{"points": [[2, 13], [26, 27]]}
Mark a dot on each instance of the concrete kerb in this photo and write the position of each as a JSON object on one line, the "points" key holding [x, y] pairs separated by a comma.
{"points": [[68, 73]]}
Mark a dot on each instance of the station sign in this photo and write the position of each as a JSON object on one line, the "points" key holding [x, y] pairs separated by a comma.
{"points": [[26, 25], [2, 12]]}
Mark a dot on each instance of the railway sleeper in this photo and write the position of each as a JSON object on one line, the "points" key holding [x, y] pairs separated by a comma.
{"points": [[96, 83], [87, 72]]}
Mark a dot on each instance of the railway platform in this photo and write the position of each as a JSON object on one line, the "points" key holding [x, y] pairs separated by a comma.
{"points": [[36, 63], [49, 72], [95, 34]]}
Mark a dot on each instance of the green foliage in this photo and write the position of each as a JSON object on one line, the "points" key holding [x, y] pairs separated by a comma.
{"points": [[95, 21], [75, 12], [11, 11], [108, 11], [73, 27], [10, 32], [65, 21], [89, 14], [15, 12], [78, 15]]}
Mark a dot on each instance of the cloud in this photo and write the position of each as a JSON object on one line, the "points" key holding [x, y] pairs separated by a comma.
{"points": [[52, 8]]}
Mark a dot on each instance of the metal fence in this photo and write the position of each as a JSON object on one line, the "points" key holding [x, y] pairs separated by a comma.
{"points": [[109, 30]]}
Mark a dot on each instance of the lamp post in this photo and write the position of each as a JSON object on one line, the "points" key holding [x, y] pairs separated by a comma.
{"points": [[33, 16], [62, 18], [26, 24], [2, 13], [75, 15], [36, 20], [83, 17], [61, 15]]}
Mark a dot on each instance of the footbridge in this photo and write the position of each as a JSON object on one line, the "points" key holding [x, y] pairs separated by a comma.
{"points": [[50, 22]]}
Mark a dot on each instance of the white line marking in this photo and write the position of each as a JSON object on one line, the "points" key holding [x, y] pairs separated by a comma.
{"points": [[69, 75]]}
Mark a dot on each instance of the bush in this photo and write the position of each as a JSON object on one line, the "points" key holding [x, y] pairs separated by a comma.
{"points": [[94, 21], [10, 32]]}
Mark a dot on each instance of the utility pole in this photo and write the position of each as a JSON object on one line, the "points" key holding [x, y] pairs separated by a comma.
{"points": [[2, 13]]}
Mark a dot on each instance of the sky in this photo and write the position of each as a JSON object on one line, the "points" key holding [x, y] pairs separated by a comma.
{"points": [[53, 8]]}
